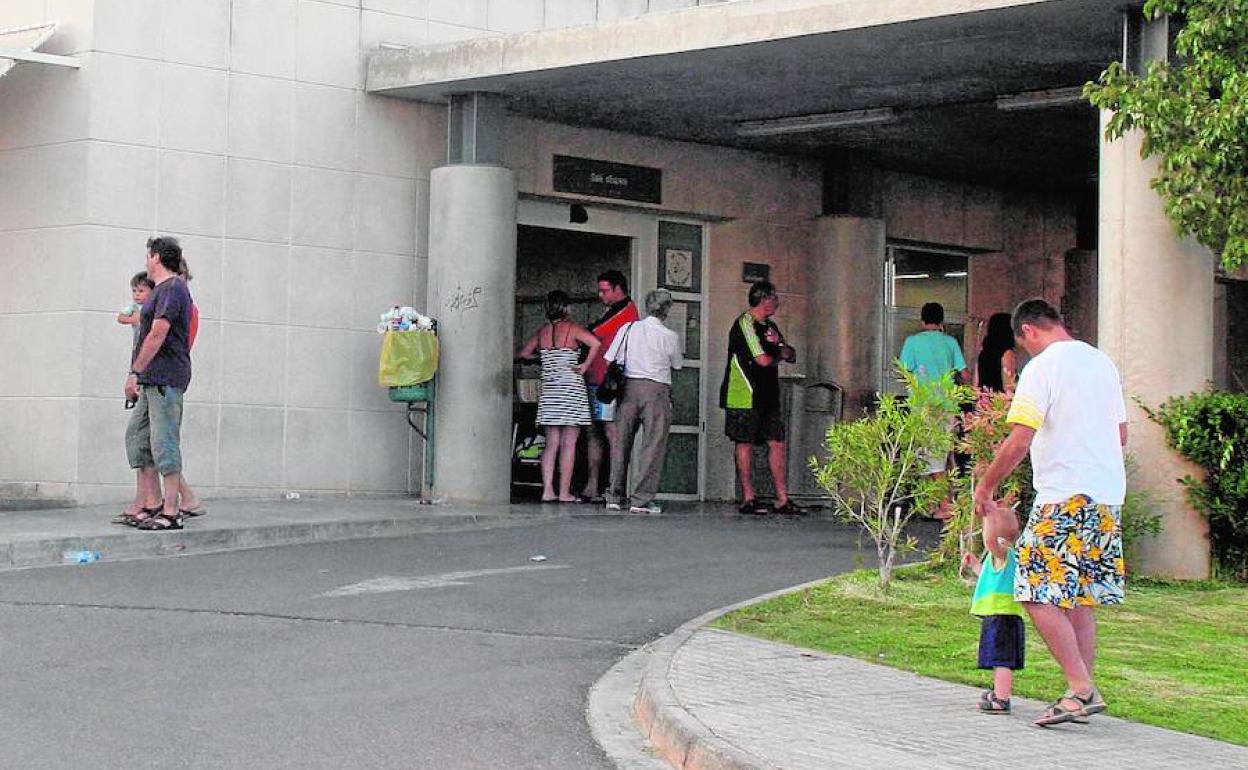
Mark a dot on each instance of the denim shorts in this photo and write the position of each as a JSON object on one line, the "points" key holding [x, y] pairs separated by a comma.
{"points": [[599, 411], [154, 435]]}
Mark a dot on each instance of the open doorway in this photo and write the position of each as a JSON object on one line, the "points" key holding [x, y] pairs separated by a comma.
{"points": [[547, 259]]}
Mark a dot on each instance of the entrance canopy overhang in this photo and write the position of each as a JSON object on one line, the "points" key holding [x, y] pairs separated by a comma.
{"points": [[19, 44], [915, 82]]}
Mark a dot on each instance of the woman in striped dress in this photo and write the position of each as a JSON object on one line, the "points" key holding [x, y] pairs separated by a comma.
{"points": [[564, 404]]}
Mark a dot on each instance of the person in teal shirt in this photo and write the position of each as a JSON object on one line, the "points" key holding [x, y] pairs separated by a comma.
{"points": [[1002, 635], [931, 353]]}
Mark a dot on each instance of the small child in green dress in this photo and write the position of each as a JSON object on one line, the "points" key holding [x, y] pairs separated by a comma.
{"points": [[1002, 636]]}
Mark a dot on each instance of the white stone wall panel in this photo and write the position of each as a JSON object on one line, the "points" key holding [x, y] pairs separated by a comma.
{"points": [[319, 287], [257, 200], [318, 368], [317, 449], [124, 98], [196, 32], [251, 447], [461, 13], [377, 27], [380, 445], [121, 185], [262, 37], [194, 108], [324, 128], [328, 45], [191, 194], [253, 364], [386, 215], [323, 207], [261, 118], [254, 281], [128, 27], [512, 16]]}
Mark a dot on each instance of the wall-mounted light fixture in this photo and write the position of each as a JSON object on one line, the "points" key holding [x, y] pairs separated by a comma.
{"points": [[799, 124], [1039, 100]]}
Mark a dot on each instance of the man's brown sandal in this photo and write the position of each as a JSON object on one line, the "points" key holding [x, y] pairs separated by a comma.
{"points": [[1057, 714]]}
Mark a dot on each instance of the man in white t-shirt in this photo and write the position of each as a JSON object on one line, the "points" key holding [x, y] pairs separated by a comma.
{"points": [[649, 352], [1068, 412]]}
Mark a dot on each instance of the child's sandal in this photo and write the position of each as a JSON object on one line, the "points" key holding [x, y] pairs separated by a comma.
{"points": [[989, 703]]}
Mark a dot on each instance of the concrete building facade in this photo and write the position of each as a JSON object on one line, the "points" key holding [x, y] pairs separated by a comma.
{"points": [[305, 154]]}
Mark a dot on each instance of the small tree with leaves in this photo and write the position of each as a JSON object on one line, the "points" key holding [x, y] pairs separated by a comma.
{"points": [[876, 469], [1194, 115]]}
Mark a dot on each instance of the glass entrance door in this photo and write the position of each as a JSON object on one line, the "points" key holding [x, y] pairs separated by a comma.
{"points": [[680, 268], [914, 276]]}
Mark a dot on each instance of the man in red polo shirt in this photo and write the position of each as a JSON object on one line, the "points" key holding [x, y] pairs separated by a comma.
{"points": [[613, 291]]}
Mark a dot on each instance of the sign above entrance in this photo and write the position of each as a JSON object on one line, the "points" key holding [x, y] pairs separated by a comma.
{"points": [[604, 179]]}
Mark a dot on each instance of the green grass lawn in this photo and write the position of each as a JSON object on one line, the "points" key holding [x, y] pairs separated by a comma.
{"points": [[1175, 655]]}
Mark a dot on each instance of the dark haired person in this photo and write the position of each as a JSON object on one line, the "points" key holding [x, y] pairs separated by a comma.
{"points": [[612, 292], [159, 376], [1068, 413], [563, 406], [750, 396], [930, 355], [997, 366]]}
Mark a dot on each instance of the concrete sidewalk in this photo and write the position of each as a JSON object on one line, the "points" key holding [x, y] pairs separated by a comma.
{"points": [[46, 537], [708, 699]]}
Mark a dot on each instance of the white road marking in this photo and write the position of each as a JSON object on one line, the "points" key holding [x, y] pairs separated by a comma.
{"points": [[387, 584]]}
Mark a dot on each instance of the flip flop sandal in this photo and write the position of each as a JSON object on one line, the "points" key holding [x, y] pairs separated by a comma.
{"points": [[133, 519], [198, 510], [755, 508], [989, 703], [160, 523], [791, 509]]}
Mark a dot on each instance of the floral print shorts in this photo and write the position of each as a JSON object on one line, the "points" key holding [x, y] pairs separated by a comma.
{"points": [[1070, 554]]}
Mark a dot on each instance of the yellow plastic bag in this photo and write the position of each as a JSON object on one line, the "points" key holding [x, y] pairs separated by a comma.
{"points": [[407, 358]]}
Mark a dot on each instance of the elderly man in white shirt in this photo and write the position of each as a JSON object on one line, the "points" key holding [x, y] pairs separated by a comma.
{"points": [[649, 351]]}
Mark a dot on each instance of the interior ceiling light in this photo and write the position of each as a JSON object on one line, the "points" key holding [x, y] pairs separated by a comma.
{"points": [[911, 276], [1038, 100], [799, 124], [956, 274]]}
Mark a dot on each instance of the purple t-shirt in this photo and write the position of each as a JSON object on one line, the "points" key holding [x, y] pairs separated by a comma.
{"points": [[170, 300]]}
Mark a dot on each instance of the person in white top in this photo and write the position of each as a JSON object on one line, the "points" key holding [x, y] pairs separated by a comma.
{"points": [[649, 352], [1068, 412]]}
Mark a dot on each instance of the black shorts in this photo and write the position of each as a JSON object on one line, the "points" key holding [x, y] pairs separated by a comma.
{"points": [[1002, 642], [754, 426]]}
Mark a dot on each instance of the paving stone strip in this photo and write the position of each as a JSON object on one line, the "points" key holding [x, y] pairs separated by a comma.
{"points": [[711, 699]]}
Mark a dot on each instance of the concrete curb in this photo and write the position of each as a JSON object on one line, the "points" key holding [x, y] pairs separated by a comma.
{"points": [[675, 734], [129, 544]]}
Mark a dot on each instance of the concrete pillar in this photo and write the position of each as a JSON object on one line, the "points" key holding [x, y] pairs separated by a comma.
{"points": [[472, 287], [1156, 322], [845, 332]]}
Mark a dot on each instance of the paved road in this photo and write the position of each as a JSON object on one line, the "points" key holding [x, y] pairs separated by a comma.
{"points": [[442, 651]]}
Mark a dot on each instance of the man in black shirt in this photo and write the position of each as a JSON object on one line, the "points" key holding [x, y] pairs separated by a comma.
{"points": [[750, 394]]}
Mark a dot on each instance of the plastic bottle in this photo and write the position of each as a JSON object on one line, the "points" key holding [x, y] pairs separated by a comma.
{"points": [[81, 557]]}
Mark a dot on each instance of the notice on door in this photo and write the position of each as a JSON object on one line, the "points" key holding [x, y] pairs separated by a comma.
{"points": [[604, 179]]}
